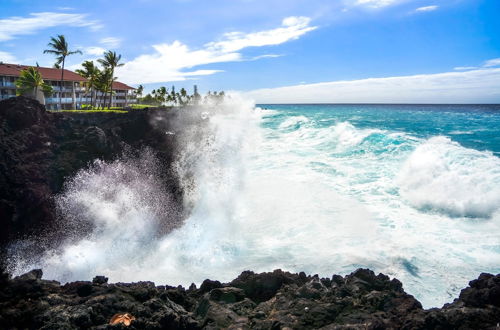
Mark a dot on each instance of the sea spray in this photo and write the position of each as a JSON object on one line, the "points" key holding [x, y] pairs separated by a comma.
{"points": [[310, 190], [108, 213]]}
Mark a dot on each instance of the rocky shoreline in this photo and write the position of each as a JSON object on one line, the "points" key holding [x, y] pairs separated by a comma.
{"points": [[40, 150], [275, 300]]}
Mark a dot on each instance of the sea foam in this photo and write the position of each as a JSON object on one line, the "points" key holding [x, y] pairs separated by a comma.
{"points": [[441, 175], [268, 189]]}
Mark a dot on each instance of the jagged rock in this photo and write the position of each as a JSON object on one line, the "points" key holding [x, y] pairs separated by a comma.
{"points": [[21, 112], [361, 300], [95, 139], [261, 287], [100, 280], [208, 285], [483, 291], [33, 275]]}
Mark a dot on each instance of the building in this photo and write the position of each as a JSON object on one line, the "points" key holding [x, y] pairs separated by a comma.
{"points": [[123, 95], [73, 93]]}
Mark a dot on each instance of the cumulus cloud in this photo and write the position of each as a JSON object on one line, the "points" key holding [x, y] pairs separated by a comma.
{"points": [[171, 62], [426, 8], [15, 25], [7, 57], [475, 86]]}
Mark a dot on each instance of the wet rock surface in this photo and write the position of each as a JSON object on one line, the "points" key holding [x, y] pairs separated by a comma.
{"points": [[276, 300], [40, 150]]}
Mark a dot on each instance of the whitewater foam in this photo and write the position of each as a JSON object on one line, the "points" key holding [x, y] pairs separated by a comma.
{"points": [[270, 190], [441, 175]]}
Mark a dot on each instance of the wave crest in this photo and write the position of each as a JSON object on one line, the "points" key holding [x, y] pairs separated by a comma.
{"points": [[444, 176]]}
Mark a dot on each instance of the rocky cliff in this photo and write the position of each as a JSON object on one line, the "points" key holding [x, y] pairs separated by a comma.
{"points": [[39, 150]]}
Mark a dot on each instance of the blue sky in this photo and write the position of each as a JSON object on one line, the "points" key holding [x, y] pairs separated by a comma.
{"points": [[276, 50]]}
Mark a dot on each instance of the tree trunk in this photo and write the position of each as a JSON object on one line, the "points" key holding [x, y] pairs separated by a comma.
{"points": [[111, 87], [61, 88]]}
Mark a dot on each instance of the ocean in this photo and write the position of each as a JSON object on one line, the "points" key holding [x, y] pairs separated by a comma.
{"points": [[412, 191]]}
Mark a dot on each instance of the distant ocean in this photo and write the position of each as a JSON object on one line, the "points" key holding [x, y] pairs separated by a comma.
{"points": [[412, 191]]}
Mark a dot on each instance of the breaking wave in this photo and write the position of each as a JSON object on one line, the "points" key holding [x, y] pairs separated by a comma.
{"points": [[266, 189]]}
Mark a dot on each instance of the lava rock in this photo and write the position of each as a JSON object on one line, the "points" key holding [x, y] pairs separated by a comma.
{"points": [[361, 300], [40, 150]]}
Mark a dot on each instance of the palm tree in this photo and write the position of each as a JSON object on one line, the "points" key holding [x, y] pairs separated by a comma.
{"points": [[183, 97], [111, 61], [102, 84], [162, 95], [59, 48], [91, 72], [139, 90], [29, 81], [173, 96]]}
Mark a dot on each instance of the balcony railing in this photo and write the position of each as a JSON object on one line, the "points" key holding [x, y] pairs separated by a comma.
{"points": [[7, 84], [64, 100], [64, 89]]}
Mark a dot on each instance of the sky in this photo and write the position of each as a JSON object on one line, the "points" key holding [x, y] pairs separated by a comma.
{"points": [[276, 51]]}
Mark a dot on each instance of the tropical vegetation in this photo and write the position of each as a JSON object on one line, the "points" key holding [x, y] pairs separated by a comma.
{"points": [[110, 61], [59, 47], [163, 96], [30, 81], [100, 78]]}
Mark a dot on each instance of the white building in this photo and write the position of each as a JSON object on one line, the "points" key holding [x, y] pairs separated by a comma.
{"points": [[73, 92]]}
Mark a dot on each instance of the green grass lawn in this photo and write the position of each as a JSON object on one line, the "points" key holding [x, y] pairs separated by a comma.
{"points": [[142, 106], [110, 110], [90, 111]]}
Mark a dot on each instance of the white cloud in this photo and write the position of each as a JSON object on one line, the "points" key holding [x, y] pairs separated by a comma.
{"points": [[291, 28], [14, 26], [376, 3], [464, 68], [111, 42], [476, 86], [426, 8], [169, 62], [7, 57], [492, 62], [94, 50], [266, 56]]}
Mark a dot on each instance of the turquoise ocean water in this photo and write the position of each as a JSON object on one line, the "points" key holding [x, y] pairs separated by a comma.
{"points": [[412, 191], [425, 177]]}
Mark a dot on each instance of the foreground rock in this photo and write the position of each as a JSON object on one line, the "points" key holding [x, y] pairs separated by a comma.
{"points": [[277, 300], [40, 150]]}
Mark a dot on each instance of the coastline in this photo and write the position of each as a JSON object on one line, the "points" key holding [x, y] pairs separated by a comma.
{"points": [[275, 300], [43, 149]]}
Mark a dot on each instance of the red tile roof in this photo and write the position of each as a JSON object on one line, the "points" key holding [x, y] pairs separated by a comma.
{"points": [[120, 86], [47, 73], [52, 74]]}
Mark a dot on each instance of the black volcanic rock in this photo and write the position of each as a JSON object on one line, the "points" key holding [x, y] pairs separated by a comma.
{"points": [[361, 300], [40, 150]]}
